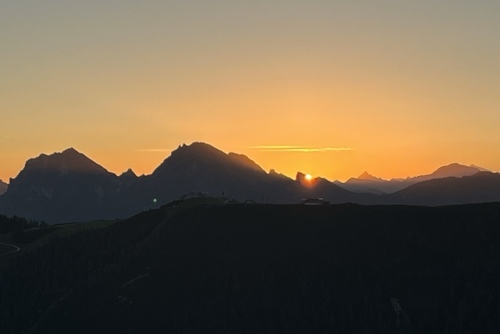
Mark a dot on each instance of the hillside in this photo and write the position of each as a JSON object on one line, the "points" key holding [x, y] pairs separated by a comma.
{"points": [[478, 188], [198, 266]]}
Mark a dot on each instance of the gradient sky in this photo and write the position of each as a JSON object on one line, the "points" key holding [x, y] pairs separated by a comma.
{"points": [[327, 87]]}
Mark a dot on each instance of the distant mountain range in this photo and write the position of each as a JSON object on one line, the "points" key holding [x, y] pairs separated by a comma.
{"points": [[3, 187], [68, 186], [370, 184], [478, 188]]}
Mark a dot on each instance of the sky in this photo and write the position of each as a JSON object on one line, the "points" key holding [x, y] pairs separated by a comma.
{"points": [[326, 87]]}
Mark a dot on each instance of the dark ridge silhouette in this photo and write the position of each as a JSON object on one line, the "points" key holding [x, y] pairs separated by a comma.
{"points": [[478, 188], [322, 188], [451, 170], [200, 167], [365, 183], [68, 161], [195, 266], [3, 187], [368, 177], [68, 186], [42, 175], [62, 187], [371, 184], [274, 173], [128, 175], [245, 161]]}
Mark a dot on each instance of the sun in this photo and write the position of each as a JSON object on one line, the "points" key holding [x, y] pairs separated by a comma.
{"points": [[308, 177]]}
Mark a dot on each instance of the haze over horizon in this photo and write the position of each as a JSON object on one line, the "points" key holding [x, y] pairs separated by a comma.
{"points": [[396, 88]]}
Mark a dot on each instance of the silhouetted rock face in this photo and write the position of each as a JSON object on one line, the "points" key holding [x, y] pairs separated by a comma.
{"points": [[61, 187], [43, 176], [68, 186], [200, 167], [3, 187], [189, 159], [245, 162], [478, 188], [68, 161]]}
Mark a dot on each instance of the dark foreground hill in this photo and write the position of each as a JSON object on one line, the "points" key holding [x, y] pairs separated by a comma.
{"points": [[213, 268]]}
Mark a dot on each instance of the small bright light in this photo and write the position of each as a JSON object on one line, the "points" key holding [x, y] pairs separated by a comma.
{"points": [[308, 177], [155, 200]]}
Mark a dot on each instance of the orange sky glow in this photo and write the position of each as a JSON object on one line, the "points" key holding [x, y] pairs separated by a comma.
{"points": [[330, 88]]}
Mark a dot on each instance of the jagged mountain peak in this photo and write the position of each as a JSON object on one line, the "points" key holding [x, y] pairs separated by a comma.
{"points": [[129, 173], [67, 161], [364, 178], [192, 157], [274, 173], [368, 177], [70, 150], [197, 148], [68, 186]]}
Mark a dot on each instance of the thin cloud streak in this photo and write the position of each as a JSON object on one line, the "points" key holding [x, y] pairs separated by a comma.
{"points": [[277, 147], [305, 149]]}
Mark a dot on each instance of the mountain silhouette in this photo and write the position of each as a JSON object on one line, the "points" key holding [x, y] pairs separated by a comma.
{"points": [[371, 184], [68, 186], [200, 167], [365, 183], [3, 187], [61, 187], [451, 170], [128, 175], [478, 188], [322, 188], [68, 161], [368, 177], [41, 175]]}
